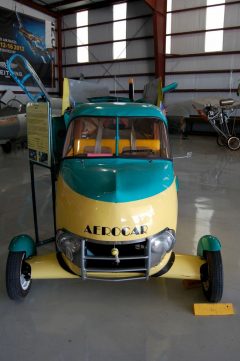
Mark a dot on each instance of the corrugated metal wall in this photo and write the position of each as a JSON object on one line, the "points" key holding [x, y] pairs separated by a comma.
{"points": [[101, 68], [200, 74]]}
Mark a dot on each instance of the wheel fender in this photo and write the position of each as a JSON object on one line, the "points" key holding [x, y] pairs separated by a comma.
{"points": [[208, 243], [23, 243]]}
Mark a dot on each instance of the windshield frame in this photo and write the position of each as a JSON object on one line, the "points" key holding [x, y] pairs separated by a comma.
{"points": [[163, 138]]}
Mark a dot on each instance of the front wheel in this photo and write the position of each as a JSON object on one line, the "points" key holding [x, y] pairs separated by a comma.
{"points": [[18, 276], [221, 141], [212, 276]]}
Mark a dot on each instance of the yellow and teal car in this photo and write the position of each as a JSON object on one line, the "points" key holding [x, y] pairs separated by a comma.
{"points": [[116, 206]]}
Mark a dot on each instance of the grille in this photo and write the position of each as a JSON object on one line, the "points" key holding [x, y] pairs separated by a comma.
{"points": [[132, 258]]}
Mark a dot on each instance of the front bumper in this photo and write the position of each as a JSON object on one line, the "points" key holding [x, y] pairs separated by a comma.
{"points": [[184, 267]]}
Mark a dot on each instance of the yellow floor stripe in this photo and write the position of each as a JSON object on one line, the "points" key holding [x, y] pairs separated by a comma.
{"points": [[213, 309]]}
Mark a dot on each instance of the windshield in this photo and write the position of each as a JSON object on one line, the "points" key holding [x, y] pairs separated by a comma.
{"points": [[121, 137]]}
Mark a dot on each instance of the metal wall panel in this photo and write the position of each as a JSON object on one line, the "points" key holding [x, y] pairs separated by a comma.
{"points": [[142, 48], [139, 27], [100, 52], [113, 69], [100, 15], [185, 4], [199, 81], [69, 37], [231, 40], [203, 63], [69, 21], [183, 97], [100, 33], [137, 8], [69, 56], [232, 15], [121, 84], [194, 43], [188, 21], [188, 44]]}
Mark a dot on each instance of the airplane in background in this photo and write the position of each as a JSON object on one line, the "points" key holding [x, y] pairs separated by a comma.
{"points": [[35, 42]]}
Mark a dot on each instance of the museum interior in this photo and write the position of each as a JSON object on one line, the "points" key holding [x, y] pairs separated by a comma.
{"points": [[119, 180]]}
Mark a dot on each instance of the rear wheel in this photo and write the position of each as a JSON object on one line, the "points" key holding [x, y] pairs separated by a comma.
{"points": [[212, 276], [7, 147], [18, 276], [233, 143]]}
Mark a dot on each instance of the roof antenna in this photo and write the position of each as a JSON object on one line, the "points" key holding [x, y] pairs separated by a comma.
{"points": [[131, 89], [115, 85]]}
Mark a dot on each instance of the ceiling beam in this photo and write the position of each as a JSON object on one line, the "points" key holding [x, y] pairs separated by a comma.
{"points": [[38, 7], [62, 3], [96, 5]]}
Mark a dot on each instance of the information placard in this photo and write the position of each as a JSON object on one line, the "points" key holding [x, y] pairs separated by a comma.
{"points": [[38, 131]]}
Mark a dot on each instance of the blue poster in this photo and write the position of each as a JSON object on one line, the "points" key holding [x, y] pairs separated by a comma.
{"points": [[25, 35]]}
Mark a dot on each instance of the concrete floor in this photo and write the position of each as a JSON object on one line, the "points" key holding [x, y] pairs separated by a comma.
{"points": [[143, 321]]}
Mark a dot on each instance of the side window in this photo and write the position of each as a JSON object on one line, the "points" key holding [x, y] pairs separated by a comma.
{"points": [[68, 146]]}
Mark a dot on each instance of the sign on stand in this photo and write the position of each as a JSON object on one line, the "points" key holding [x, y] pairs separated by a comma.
{"points": [[38, 132]]}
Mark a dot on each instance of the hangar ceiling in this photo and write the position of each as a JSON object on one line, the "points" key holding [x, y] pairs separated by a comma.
{"points": [[63, 7]]}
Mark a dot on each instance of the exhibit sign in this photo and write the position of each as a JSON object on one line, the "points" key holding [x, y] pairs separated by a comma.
{"points": [[28, 36], [38, 132]]}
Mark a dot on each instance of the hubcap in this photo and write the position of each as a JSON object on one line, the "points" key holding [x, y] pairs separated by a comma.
{"points": [[234, 143], [25, 275], [24, 282]]}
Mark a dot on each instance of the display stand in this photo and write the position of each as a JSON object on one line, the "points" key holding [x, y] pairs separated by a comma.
{"points": [[40, 154], [39, 129], [35, 216]]}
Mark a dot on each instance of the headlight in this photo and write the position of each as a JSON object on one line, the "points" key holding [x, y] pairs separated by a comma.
{"points": [[161, 243], [68, 243]]}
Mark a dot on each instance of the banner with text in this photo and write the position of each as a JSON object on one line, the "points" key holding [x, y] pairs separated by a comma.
{"points": [[25, 35]]}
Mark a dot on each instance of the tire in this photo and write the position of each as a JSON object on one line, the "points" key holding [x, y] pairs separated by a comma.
{"points": [[212, 276], [7, 147], [18, 276], [221, 141], [233, 143]]}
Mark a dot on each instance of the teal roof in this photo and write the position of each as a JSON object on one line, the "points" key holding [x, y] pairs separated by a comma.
{"points": [[119, 110]]}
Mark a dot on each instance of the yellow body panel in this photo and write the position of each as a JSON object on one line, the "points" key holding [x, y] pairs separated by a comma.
{"points": [[75, 212], [47, 267], [185, 267], [66, 95]]}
